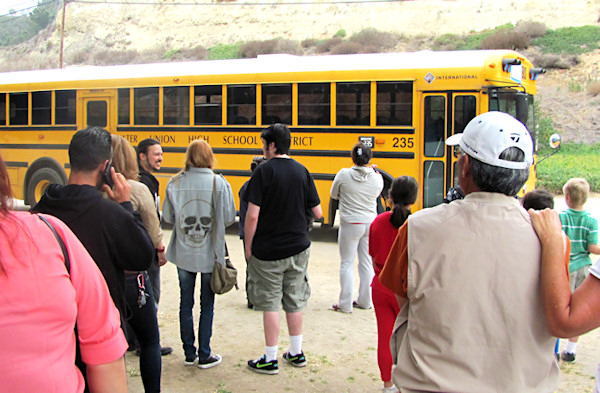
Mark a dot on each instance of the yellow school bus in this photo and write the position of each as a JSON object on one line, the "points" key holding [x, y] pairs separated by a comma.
{"points": [[403, 105]]}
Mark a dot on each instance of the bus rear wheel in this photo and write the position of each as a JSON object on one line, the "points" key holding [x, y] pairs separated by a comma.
{"points": [[38, 182]]}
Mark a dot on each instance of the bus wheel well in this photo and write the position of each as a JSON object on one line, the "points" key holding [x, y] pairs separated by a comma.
{"points": [[40, 174]]}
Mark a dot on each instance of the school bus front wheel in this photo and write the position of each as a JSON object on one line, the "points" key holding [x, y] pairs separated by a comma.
{"points": [[39, 179]]}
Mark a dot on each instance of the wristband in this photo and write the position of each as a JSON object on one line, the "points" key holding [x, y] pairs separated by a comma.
{"points": [[160, 249]]}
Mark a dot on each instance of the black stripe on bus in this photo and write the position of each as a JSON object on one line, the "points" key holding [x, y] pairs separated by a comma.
{"points": [[16, 164], [39, 128], [293, 130], [33, 146], [245, 173], [300, 153]]}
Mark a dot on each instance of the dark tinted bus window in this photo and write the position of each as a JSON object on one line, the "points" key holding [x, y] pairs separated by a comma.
{"points": [[464, 111], [18, 109], [145, 107], [2, 109], [433, 183], [241, 104], [41, 107], [176, 105], [208, 104], [124, 106], [394, 103], [65, 107], [277, 104], [435, 120], [353, 104], [314, 104], [97, 113]]}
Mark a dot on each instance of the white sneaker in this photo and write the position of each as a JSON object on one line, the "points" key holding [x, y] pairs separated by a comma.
{"points": [[391, 389]]}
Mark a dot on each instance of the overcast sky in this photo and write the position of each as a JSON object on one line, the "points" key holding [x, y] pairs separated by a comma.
{"points": [[7, 5]]}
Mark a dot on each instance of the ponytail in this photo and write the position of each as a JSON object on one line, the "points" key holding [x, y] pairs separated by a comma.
{"points": [[403, 192], [399, 215]]}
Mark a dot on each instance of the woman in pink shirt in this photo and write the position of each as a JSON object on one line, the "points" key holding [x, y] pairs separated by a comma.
{"points": [[40, 302]]}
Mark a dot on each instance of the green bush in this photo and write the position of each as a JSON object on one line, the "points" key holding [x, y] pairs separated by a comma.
{"points": [[569, 40], [224, 51], [572, 160], [341, 33]]}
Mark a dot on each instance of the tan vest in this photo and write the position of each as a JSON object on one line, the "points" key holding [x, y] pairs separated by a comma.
{"points": [[474, 320]]}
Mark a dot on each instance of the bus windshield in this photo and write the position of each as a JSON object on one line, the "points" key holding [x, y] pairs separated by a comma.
{"points": [[517, 104]]}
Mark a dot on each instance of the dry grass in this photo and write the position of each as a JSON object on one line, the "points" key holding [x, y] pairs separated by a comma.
{"points": [[593, 88], [276, 45], [531, 29], [506, 40], [549, 60]]}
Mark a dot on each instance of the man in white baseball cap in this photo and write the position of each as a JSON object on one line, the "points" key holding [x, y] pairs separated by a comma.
{"points": [[467, 277]]}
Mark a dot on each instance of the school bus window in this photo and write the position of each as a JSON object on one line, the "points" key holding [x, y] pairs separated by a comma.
{"points": [[208, 104], [176, 105], [314, 104], [2, 109], [353, 103], [435, 120], [18, 109], [145, 106], [97, 113], [394, 103], [277, 104], [433, 183], [464, 111], [65, 107], [124, 103], [41, 111], [241, 104]]}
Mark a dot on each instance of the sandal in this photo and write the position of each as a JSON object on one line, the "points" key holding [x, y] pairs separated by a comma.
{"points": [[336, 307]]}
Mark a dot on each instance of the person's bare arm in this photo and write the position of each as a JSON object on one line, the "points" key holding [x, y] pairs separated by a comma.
{"points": [[107, 378], [317, 211], [567, 314], [594, 249], [250, 227]]}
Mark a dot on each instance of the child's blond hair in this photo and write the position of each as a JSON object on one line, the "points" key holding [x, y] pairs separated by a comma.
{"points": [[577, 189]]}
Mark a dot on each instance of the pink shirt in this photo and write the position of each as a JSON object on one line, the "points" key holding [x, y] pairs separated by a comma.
{"points": [[39, 305]]}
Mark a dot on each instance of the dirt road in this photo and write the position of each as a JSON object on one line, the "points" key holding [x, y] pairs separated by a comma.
{"points": [[340, 348]]}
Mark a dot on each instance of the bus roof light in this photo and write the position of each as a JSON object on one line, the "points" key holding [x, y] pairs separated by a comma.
{"points": [[511, 61], [534, 72]]}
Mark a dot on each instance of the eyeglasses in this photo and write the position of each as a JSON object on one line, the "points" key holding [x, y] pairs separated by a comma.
{"points": [[458, 151]]}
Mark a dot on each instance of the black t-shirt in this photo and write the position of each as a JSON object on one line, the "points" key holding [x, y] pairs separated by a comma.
{"points": [[285, 191]]}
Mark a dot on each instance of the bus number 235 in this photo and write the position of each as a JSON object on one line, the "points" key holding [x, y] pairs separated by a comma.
{"points": [[403, 142]]}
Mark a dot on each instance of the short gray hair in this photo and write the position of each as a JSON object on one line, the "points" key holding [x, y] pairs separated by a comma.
{"points": [[502, 180]]}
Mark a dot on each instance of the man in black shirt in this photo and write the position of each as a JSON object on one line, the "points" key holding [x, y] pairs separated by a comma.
{"points": [[279, 195]]}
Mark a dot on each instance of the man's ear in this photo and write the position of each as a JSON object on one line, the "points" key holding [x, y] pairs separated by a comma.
{"points": [[466, 167]]}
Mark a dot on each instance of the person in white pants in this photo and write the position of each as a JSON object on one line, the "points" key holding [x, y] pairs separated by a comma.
{"points": [[357, 189]]}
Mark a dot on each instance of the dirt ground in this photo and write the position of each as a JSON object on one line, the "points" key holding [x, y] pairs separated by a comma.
{"points": [[340, 348]]}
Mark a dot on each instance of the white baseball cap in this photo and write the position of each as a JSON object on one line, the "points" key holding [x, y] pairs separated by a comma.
{"points": [[489, 134]]}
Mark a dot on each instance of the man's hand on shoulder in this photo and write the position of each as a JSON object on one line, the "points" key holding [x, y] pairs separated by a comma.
{"points": [[121, 190]]}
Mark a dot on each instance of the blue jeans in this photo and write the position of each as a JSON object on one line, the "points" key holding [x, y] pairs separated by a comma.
{"points": [[145, 326], [187, 283]]}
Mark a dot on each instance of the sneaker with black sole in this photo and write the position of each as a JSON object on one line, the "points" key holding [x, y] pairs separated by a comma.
{"points": [[262, 366], [296, 360], [212, 361], [567, 356], [189, 361]]}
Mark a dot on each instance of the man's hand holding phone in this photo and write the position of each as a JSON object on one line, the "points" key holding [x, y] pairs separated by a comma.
{"points": [[121, 190]]}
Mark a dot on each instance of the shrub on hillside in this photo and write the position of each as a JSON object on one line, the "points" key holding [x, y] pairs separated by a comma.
{"points": [[569, 40], [114, 57], [349, 48], [223, 51], [277, 45], [555, 61], [309, 42], [327, 45], [372, 38], [532, 29], [593, 88], [506, 40], [448, 42]]}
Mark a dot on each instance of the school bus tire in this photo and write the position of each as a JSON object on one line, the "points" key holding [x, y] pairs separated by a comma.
{"points": [[39, 179]]}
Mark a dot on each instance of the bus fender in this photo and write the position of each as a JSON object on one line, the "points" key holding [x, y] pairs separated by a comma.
{"points": [[40, 174]]}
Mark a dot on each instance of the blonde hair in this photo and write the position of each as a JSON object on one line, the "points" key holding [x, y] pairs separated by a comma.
{"points": [[124, 158], [199, 154], [577, 189]]}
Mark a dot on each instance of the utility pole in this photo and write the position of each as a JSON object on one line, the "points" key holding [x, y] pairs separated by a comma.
{"points": [[62, 33]]}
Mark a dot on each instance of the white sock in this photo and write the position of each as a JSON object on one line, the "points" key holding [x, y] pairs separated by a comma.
{"points": [[571, 347], [271, 353], [295, 345]]}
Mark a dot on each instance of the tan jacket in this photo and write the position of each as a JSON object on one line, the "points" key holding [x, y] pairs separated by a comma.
{"points": [[474, 320], [142, 201]]}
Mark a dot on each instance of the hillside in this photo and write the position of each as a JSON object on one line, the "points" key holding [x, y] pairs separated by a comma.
{"points": [[192, 24]]}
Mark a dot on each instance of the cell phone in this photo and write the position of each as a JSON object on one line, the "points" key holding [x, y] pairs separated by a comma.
{"points": [[106, 176]]}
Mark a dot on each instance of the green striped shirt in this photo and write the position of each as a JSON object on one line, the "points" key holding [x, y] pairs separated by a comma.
{"points": [[582, 230]]}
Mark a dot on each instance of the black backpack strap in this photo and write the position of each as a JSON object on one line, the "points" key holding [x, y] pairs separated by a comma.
{"points": [[60, 242]]}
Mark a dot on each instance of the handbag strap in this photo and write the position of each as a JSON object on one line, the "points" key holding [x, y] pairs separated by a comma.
{"points": [[213, 229], [60, 242]]}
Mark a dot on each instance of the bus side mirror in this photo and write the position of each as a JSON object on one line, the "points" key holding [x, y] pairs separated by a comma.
{"points": [[555, 140]]}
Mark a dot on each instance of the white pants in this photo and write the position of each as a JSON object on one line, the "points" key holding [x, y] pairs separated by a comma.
{"points": [[353, 239]]}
